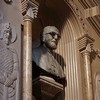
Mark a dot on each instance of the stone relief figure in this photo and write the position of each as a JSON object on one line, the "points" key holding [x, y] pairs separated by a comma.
{"points": [[42, 56], [8, 64]]}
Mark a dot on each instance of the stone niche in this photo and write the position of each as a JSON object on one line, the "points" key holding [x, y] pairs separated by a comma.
{"points": [[48, 76]]}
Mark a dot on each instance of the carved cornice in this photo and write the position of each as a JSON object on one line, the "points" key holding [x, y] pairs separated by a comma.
{"points": [[26, 4]]}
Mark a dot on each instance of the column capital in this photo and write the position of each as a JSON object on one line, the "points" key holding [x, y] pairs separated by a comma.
{"points": [[85, 43], [29, 8], [27, 18], [86, 47]]}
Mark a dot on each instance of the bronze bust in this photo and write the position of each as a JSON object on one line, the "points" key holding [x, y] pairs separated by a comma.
{"points": [[43, 57]]}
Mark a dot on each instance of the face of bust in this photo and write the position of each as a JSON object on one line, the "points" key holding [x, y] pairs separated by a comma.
{"points": [[51, 40]]}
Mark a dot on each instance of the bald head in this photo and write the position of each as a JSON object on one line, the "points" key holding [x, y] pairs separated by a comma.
{"points": [[50, 36], [49, 29]]}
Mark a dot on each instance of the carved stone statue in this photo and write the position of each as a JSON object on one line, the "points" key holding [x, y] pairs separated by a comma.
{"points": [[46, 63], [8, 64]]}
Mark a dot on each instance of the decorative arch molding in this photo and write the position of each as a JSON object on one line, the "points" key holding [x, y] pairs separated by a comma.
{"points": [[91, 14], [78, 14]]}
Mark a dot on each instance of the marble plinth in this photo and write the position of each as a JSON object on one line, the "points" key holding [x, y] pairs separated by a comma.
{"points": [[45, 88]]}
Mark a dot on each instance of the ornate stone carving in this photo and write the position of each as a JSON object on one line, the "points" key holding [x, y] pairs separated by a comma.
{"points": [[43, 57], [86, 43], [32, 12], [8, 64], [30, 6]]}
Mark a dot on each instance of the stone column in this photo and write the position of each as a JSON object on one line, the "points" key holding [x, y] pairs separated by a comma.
{"points": [[29, 11], [85, 50], [27, 59]]}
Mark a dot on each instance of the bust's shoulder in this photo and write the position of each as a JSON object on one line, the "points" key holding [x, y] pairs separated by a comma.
{"points": [[40, 49]]}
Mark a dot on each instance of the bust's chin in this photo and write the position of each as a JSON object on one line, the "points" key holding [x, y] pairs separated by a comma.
{"points": [[52, 46]]}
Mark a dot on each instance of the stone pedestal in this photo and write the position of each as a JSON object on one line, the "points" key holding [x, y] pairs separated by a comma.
{"points": [[45, 88]]}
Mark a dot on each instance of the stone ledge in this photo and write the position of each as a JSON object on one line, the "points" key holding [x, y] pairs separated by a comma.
{"points": [[46, 88]]}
